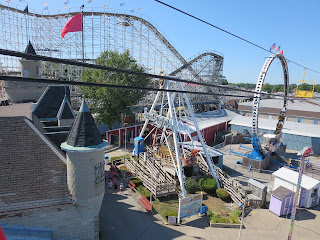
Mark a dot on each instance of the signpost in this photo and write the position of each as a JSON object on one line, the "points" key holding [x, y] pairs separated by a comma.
{"points": [[189, 206]]}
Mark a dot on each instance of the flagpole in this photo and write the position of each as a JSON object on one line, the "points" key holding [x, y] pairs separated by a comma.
{"points": [[82, 33]]}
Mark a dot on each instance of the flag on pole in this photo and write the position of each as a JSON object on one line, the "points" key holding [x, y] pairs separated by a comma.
{"points": [[281, 52], [132, 10], [73, 25], [277, 49], [66, 2], [105, 6], [122, 4], [26, 10], [65, 7], [139, 9], [273, 46], [89, 1], [45, 4]]}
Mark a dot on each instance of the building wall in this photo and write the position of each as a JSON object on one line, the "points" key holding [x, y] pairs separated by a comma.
{"points": [[66, 222], [275, 205], [293, 142]]}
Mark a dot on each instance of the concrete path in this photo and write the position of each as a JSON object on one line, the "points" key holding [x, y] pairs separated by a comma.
{"points": [[122, 217]]}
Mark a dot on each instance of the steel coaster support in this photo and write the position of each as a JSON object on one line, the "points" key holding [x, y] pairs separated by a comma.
{"points": [[175, 140], [208, 158]]}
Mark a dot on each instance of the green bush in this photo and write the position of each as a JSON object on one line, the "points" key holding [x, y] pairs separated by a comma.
{"points": [[143, 191], [191, 185], [200, 182], [209, 185], [223, 194], [136, 181], [170, 212]]}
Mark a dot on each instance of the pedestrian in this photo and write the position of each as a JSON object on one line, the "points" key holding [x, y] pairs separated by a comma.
{"points": [[110, 185], [121, 188], [115, 186]]}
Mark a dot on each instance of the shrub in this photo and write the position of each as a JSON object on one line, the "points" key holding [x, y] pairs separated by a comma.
{"points": [[191, 185], [234, 216], [200, 182], [143, 191], [136, 181], [170, 212], [223, 194], [209, 185]]}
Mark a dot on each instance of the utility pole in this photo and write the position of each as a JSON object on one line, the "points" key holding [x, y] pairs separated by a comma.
{"points": [[305, 153]]}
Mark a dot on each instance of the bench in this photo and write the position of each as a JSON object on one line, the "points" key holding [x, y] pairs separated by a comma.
{"points": [[131, 185], [144, 201]]}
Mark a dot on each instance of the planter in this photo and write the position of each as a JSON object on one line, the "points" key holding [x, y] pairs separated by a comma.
{"points": [[225, 225]]}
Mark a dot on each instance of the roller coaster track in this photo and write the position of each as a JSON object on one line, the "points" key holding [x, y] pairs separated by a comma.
{"points": [[256, 101], [127, 18], [215, 55]]}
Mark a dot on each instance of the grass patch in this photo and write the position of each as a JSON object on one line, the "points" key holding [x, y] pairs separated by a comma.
{"points": [[218, 212], [143, 191], [167, 205], [119, 157]]}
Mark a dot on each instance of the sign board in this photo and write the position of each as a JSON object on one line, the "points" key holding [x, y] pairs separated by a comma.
{"points": [[172, 220], [190, 205]]}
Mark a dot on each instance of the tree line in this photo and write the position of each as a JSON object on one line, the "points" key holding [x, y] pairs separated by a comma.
{"points": [[270, 88]]}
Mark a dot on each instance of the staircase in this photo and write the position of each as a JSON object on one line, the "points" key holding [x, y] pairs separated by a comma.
{"points": [[153, 177]]}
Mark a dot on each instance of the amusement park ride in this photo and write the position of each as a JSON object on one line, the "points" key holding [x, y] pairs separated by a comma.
{"points": [[170, 115]]}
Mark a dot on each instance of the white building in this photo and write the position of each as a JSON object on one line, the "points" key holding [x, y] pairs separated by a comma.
{"points": [[310, 187]]}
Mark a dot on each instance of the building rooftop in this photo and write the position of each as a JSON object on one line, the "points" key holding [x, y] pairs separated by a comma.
{"points": [[281, 192], [16, 109], [33, 172], [292, 177], [50, 102], [84, 132], [296, 128], [299, 105]]}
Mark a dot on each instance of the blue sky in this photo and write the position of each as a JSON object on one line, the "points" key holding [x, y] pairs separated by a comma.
{"points": [[292, 24]]}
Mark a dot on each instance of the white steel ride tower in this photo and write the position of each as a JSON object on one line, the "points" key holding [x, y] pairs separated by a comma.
{"points": [[170, 115]]}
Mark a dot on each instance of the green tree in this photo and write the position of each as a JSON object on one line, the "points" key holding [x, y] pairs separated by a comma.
{"points": [[224, 82], [267, 88], [110, 103]]}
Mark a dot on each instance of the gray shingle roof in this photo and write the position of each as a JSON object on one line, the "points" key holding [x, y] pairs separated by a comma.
{"points": [[50, 102], [84, 132], [32, 171], [30, 49], [65, 111], [281, 192]]}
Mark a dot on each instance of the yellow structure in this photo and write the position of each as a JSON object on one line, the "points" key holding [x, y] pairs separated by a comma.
{"points": [[304, 93]]}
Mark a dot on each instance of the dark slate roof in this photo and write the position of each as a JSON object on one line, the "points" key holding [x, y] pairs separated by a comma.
{"points": [[281, 192], [65, 111], [30, 49], [84, 132], [32, 172], [50, 102]]}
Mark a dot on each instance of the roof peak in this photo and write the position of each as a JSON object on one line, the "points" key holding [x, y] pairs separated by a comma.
{"points": [[84, 106]]}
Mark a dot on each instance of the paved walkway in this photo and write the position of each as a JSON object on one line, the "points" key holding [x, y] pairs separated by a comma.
{"points": [[122, 217]]}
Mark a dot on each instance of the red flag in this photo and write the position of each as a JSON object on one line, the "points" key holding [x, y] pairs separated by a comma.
{"points": [[281, 52], [73, 25], [2, 236]]}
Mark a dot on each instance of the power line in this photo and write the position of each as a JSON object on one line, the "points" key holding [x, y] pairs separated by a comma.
{"points": [[87, 84], [232, 34], [95, 66]]}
